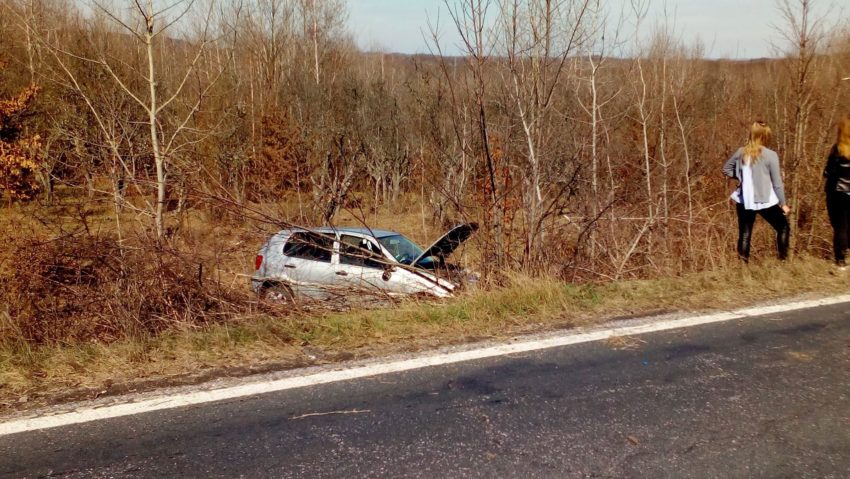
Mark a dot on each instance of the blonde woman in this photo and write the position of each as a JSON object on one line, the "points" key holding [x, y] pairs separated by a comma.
{"points": [[837, 174], [760, 190]]}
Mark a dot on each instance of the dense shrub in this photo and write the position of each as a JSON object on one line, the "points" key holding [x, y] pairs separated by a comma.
{"points": [[88, 287]]}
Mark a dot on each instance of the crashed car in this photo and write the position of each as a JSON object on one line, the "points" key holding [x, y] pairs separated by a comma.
{"points": [[320, 262]]}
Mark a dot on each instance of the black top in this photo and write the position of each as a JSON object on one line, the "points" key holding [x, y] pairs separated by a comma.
{"points": [[837, 172]]}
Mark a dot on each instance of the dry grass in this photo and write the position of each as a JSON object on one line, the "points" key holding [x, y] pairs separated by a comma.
{"points": [[262, 342], [245, 338]]}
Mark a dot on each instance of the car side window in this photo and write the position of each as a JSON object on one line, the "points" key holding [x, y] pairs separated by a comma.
{"points": [[309, 246], [357, 251]]}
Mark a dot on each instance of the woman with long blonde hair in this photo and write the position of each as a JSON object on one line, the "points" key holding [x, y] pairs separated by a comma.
{"points": [[760, 190], [837, 174]]}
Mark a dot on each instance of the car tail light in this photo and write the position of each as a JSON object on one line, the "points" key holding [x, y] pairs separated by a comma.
{"points": [[258, 261]]}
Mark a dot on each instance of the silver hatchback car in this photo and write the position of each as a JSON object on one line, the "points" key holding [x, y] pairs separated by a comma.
{"points": [[322, 262]]}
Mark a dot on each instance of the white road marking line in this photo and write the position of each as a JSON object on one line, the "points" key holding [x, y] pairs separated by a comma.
{"points": [[370, 370]]}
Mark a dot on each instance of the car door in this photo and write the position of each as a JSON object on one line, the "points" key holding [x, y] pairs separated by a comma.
{"points": [[306, 263], [363, 264]]}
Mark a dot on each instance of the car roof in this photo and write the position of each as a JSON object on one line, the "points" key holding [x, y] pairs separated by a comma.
{"points": [[345, 229]]}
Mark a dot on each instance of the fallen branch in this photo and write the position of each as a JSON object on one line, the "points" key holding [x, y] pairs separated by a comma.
{"points": [[353, 411]]}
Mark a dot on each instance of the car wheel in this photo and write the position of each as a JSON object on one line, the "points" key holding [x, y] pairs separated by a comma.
{"points": [[277, 293]]}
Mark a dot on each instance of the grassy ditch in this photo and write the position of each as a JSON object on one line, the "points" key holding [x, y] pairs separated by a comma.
{"points": [[31, 375]]}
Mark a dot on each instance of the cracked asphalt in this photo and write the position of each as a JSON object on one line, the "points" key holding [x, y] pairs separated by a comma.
{"points": [[761, 397]]}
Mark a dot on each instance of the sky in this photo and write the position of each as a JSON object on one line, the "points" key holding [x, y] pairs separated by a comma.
{"points": [[727, 28]]}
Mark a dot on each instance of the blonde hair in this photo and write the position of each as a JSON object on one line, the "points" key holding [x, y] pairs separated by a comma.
{"points": [[842, 144], [759, 138]]}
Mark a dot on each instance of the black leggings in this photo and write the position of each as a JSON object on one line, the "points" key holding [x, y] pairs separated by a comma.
{"points": [[774, 216], [838, 207]]}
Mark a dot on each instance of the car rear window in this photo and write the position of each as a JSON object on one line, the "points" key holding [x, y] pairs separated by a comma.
{"points": [[309, 246]]}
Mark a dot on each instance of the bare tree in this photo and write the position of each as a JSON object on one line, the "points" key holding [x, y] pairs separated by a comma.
{"points": [[470, 19], [804, 31], [603, 43], [539, 38], [150, 25]]}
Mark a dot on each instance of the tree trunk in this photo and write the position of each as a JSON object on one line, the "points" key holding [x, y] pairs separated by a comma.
{"points": [[159, 160]]}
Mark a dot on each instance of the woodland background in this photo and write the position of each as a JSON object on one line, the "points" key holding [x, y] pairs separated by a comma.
{"points": [[147, 149]]}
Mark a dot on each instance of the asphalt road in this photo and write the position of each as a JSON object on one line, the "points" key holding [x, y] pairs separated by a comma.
{"points": [[762, 397]]}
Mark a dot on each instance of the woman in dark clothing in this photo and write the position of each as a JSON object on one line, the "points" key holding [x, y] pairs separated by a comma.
{"points": [[837, 174]]}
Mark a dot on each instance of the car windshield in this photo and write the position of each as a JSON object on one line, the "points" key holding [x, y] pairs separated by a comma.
{"points": [[403, 250]]}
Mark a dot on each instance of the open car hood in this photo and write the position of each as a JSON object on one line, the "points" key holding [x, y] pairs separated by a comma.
{"points": [[449, 242]]}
